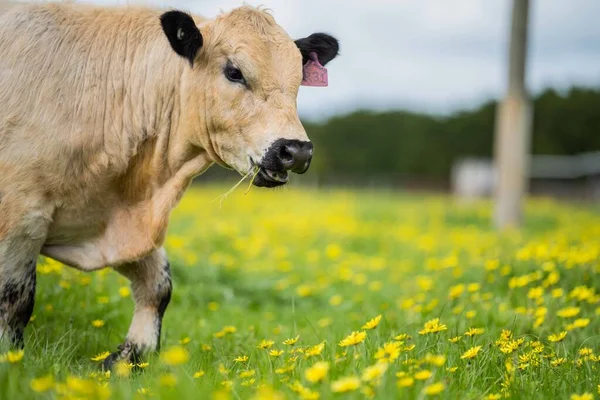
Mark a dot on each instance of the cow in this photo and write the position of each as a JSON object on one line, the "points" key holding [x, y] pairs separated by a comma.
{"points": [[106, 116]]}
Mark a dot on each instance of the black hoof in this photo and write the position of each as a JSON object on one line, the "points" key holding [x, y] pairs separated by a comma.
{"points": [[127, 353]]}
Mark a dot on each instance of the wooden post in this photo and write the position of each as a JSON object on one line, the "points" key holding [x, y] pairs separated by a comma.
{"points": [[513, 128]]}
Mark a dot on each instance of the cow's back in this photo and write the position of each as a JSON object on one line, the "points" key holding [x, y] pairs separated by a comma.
{"points": [[72, 78]]}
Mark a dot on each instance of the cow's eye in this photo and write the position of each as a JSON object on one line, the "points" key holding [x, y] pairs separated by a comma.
{"points": [[234, 74]]}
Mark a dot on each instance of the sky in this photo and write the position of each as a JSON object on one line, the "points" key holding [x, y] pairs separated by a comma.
{"points": [[435, 56]]}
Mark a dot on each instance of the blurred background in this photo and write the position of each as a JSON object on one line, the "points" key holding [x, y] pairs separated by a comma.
{"points": [[412, 101]]}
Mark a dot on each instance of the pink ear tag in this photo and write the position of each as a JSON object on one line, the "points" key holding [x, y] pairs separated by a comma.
{"points": [[314, 74]]}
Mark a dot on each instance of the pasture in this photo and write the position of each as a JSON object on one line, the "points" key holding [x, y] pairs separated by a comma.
{"points": [[335, 294]]}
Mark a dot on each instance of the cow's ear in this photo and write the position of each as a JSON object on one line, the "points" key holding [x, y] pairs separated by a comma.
{"points": [[183, 34], [325, 46]]}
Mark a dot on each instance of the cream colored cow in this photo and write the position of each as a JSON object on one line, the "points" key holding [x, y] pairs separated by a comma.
{"points": [[106, 115]]}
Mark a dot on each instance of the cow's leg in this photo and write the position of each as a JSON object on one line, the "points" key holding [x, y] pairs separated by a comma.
{"points": [[151, 285], [22, 233]]}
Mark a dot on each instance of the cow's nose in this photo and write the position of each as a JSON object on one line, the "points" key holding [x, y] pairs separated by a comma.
{"points": [[296, 155]]}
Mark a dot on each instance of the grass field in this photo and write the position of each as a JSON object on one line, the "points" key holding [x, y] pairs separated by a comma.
{"points": [[269, 288]]}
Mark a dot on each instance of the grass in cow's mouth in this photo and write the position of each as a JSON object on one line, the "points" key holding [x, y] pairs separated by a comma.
{"points": [[254, 171], [337, 295]]}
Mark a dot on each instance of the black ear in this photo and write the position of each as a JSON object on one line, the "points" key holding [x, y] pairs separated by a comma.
{"points": [[324, 45], [183, 34]]}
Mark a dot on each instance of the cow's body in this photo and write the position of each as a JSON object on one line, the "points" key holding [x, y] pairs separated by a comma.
{"points": [[92, 134], [103, 126]]}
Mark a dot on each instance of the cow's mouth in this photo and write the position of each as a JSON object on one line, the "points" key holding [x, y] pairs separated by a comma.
{"points": [[266, 177], [269, 178]]}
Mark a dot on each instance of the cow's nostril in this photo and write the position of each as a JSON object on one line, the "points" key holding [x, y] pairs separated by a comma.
{"points": [[296, 155]]}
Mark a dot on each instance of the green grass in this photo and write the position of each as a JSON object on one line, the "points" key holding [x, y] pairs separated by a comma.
{"points": [[277, 264]]}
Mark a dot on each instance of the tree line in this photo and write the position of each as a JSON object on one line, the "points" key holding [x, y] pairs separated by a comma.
{"points": [[394, 145]]}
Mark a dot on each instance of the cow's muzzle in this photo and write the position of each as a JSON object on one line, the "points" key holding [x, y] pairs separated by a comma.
{"points": [[282, 156]]}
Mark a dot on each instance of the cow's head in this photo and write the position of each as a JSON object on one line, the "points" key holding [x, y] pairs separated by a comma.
{"points": [[239, 90]]}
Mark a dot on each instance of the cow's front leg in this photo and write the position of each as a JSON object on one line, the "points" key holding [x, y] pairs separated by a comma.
{"points": [[151, 285]]}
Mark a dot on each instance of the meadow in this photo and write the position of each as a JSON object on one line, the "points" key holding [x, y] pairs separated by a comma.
{"points": [[334, 294]]}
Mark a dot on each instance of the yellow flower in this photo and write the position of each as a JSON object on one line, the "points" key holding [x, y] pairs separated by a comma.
{"points": [[493, 396], [123, 369], [558, 362], [124, 291], [455, 339], [559, 337], [451, 369], [568, 312], [317, 372], [389, 352], [471, 353], [168, 380], [42, 384], [241, 359], [12, 357], [97, 323], [372, 324], [353, 339], [101, 356], [374, 372], [346, 384], [583, 396], [433, 326], [422, 375], [585, 351], [405, 382], [142, 365], [434, 389], [275, 353], [199, 374], [175, 355], [185, 340], [291, 341], [315, 350], [474, 331], [265, 344], [247, 374], [402, 336]]}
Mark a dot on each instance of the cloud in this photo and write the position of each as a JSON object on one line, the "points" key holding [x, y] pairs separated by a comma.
{"points": [[431, 55]]}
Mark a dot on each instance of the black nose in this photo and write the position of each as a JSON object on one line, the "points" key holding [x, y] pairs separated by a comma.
{"points": [[295, 155]]}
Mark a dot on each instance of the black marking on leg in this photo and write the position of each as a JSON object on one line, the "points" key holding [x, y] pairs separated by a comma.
{"points": [[165, 289], [128, 352], [17, 299]]}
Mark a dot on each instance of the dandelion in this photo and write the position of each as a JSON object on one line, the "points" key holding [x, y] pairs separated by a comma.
{"points": [[42, 384], [124, 291], [275, 353], [583, 396], [247, 373], [123, 369], [185, 341], [471, 353], [455, 339], [317, 372], [142, 365], [167, 380], [389, 352], [374, 372], [241, 359], [433, 326], [12, 357], [291, 341], [434, 389], [568, 312], [175, 355], [346, 384], [559, 337], [101, 356], [372, 324], [265, 344], [315, 350], [405, 382], [353, 339], [422, 375], [199, 374], [585, 351], [97, 323], [558, 362], [474, 331]]}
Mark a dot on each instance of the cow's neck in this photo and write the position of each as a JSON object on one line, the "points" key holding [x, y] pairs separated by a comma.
{"points": [[163, 153]]}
